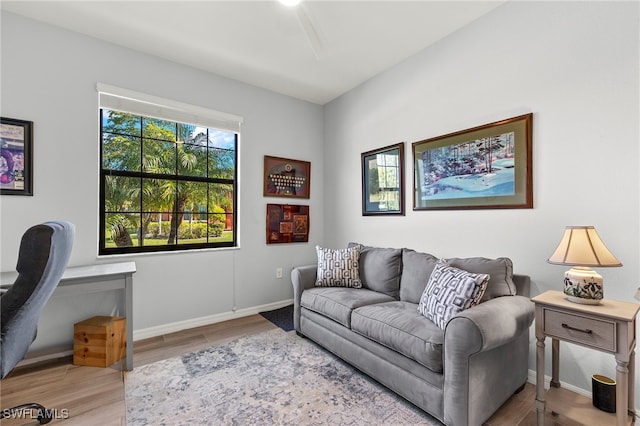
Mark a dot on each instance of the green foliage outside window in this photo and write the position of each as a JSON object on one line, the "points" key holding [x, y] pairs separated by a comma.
{"points": [[165, 185]]}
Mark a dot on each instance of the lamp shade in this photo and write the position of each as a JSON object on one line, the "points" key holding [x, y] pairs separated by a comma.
{"points": [[582, 246]]}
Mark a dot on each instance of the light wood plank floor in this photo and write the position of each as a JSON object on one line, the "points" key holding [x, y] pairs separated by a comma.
{"points": [[95, 396]]}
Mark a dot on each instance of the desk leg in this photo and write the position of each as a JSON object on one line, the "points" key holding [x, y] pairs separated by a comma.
{"points": [[622, 385], [128, 289], [540, 380]]}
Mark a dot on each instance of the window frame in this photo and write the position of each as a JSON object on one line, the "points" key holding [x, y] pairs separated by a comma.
{"points": [[176, 178]]}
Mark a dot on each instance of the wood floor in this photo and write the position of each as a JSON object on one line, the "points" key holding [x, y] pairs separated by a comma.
{"points": [[95, 396]]}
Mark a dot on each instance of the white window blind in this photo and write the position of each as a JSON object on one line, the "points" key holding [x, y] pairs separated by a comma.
{"points": [[125, 100]]}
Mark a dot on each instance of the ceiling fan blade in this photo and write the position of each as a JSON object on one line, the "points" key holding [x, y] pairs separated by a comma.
{"points": [[310, 30]]}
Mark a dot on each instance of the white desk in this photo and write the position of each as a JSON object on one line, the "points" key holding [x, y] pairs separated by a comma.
{"points": [[86, 279]]}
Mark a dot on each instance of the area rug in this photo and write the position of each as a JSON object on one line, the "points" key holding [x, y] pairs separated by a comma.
{"points": [[282, 317], [272, 378]]}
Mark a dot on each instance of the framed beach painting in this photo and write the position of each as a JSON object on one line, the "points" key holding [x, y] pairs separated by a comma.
{"points": [[16, 159], [485, 167]]}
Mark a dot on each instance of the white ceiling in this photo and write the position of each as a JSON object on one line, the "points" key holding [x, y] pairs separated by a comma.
{"points": [[315, 51]]}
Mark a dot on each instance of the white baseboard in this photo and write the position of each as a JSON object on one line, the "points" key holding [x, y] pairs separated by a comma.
{"points": [[159, 330], [38, 356], [547, 379], [532, 379]]}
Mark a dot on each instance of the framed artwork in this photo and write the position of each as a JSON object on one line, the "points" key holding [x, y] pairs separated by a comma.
{"points": [[486, 167], [383, 181], [284, 177], [287, 223], [16, 160]]}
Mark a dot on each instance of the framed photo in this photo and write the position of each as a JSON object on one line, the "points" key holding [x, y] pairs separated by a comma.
{"points": [[287, 223], [486, 167], [284, 177], [383, 181], [16, 161]]}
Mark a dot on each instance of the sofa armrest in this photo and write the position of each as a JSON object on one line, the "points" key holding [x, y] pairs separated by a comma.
{"points": [[489, 324], [485, 357], [302, 278]]}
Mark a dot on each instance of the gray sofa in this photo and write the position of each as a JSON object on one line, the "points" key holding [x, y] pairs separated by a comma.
{"points": [[461, 375]]}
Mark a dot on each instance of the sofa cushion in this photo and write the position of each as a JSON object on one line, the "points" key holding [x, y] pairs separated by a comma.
{"points": [[450, 291], [338, 267], [380, 269], [416, 270], [399, 326], [500, 270], [337, 303]]}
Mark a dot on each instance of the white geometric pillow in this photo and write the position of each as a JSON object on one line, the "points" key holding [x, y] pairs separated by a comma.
{"points": [[450, 291], [338, 268]]}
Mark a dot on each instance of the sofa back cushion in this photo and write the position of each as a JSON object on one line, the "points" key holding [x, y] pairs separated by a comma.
{"points": [[416, 270], [380, 269], [500, 270]]}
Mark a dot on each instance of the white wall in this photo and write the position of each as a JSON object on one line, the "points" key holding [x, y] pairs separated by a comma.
{"points": [[49, 76], [575, 66]]}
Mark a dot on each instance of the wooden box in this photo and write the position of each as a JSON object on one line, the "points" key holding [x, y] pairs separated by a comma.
{"points": [[99, 341]]}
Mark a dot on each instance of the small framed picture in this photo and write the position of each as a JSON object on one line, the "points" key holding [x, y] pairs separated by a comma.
{"points": [[16, 160], [383, 181]]}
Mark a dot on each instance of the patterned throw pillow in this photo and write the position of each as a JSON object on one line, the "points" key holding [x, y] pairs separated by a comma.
{"points": [[338, 268], [450, 291]]}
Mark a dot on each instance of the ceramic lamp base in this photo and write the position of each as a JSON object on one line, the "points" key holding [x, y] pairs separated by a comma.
{"points": [[583, 285]]}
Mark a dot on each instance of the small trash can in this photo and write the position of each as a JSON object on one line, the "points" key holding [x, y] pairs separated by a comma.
{"points": [[604, 393]]}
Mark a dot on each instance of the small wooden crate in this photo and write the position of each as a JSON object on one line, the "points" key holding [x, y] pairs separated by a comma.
{"points": [[99, 341]]}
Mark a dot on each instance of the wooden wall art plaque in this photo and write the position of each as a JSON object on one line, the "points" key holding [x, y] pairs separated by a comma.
{"points": [[284, 177], [287, 223]]}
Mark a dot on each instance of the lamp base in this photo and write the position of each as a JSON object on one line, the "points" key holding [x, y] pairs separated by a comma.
{"points": [[583, 285]]}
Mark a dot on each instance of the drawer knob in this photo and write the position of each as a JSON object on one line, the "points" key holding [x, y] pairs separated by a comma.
{"points": [[586, 330]]}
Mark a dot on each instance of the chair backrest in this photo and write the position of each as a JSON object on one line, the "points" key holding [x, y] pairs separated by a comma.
{"points": [[44, 253]]}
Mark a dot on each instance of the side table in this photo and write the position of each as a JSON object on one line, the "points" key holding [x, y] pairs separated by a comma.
{"points": [[608, 327]]}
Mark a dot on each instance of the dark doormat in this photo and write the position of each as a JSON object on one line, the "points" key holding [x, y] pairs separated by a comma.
{"points": [[282, 317]]}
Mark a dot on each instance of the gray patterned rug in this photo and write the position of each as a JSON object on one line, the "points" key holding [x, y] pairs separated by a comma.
{"points": [[272, 378]]}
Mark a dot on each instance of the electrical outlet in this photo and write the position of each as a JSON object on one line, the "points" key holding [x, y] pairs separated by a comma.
{"points": [[279, 273]]}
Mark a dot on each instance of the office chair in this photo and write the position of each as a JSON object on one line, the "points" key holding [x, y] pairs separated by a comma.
{"points": [[44, 253]]}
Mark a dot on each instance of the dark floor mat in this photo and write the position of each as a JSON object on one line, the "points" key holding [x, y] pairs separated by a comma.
{"points": [[282, 317]]}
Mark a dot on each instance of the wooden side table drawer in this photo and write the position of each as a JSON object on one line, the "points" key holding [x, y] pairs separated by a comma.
{"points": [[579, 329]]}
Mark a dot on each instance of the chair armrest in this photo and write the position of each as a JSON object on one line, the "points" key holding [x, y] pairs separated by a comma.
{"points": [[302, 278], [489, 324]]}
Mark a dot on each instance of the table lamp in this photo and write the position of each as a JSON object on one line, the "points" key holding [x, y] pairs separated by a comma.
{"points": [[581, 248]]}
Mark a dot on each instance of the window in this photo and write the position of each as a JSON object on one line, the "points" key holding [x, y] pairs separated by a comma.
{"points": [[388, 180], [164, 184]]}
